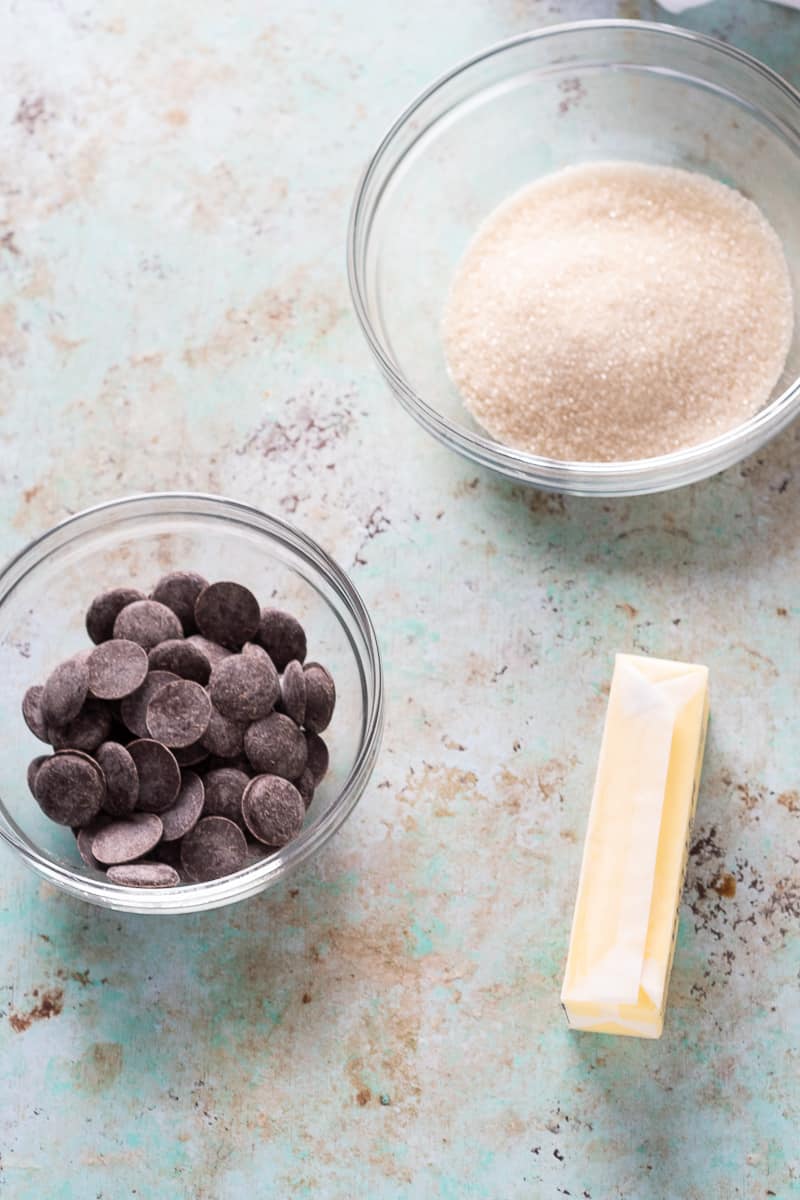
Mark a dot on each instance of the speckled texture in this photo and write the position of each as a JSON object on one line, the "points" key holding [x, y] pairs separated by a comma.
{"points": [[175, 190]]}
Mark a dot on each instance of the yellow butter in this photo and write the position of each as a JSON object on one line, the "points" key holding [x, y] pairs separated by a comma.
{"points": [[634, 858]]}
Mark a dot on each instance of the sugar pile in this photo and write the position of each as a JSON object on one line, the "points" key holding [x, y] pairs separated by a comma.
{"points": [[616, 311]]}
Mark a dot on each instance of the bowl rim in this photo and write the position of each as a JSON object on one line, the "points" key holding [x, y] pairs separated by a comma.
{"points": [[261, 875], [625, 477]]}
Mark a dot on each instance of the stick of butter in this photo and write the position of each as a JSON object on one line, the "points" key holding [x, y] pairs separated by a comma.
{"points": [[634, 857]]}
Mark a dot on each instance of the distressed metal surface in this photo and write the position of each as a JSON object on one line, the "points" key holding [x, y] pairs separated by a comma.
{"points": [[173, 313]]}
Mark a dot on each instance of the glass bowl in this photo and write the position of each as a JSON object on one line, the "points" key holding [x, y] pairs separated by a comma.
{"points": [[44, 592], [563, 95]]}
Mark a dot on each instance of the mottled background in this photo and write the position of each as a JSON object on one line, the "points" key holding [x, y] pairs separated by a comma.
{"points": [[174, 187]]}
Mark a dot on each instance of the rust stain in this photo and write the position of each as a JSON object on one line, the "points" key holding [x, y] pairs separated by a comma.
{"points": [[147, 360], [790, 801], [263, 1123], [725, 885], [511, 790], [551, 777], [375, 951], [67, 345], [628, 609], [269, 317], [49, 1004], [761, 660], [514, 1126], [479, 669], [99, 1067], [782, 612], [441, 783], [750, 797], [465, 487], [549, 504], [387, 1044], [175, 116], [123, 1158], [39, 508]]}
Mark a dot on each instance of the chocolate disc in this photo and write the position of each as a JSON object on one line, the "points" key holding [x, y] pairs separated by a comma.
{"points": [[65, 691], [122, 841], [179, 591], [244, 687], [212, 650], [273, 810], [305, 786], [116, 669], [144, 874], [159, 775], [169, 853], [148, 623], [186, 811], [227, 613], [133, 709], [190, 756], [69, 789], [85, 837], [282, 636], [104, 610], [86, 731], [293, 691], [223, 737], [179, 713], [215, 847], [275, 746], [122, 779], [320, 697], [317, 759], [236, 762], [183, 658], [253, 650], [32, 713], [224, 791], [33, 771]]}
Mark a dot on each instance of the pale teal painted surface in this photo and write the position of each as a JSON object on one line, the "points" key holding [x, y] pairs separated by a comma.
{"points": [[173, 312]]}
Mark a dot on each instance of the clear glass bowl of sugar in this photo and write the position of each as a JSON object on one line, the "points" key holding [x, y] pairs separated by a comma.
{"points": [[560, 96], [44, 593]]}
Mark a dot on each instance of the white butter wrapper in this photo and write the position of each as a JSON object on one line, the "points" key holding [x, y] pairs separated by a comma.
{"points": [[629, 858], [625, 917]]}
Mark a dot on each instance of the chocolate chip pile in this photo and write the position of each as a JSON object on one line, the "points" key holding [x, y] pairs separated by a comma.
{"points": [[187, 741]]}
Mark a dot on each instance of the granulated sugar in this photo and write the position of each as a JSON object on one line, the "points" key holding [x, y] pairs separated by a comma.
{"points": [[616, 311]]}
